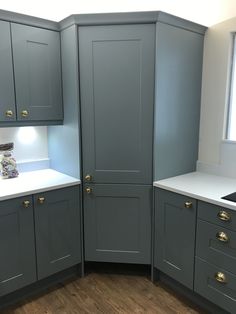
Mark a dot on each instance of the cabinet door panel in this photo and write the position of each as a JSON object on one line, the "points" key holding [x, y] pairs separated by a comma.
{"points": [[17, 254], [117, 223], [175, 236], [57, 227], [117, 88], [7, 93], [36, 54]]}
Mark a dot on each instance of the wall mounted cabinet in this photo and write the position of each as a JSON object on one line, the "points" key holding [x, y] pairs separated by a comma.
{"points": [[34, 93]]}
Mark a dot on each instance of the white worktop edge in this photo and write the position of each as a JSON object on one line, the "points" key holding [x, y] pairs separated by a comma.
{"points": [[176, 185], [40, 181]]}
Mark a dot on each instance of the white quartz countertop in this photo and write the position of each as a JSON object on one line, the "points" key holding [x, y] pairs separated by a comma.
{"points": [[34, 182], [202, 186]]}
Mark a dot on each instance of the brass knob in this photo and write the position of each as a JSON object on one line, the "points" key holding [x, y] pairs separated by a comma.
{"points": [[221, 236], [41, 200], [9, 113], [188, 204], [26, 203], [88, 177], [88, 190], [24, 113], [220, 277], [223, 215]]}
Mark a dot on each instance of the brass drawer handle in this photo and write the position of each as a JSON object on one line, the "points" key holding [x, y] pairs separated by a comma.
{"points": [[221, 236], [88, 177], [41, 200], [88, 190], [9, 113], [188, 204], [220, 277], [24, 113], [223, 215], [26, 203]]}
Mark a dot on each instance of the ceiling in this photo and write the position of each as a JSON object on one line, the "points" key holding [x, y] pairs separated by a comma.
{"points": [[205, 12]]}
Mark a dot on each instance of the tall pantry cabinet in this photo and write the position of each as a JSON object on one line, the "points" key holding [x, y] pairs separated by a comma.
{"points": [[136, 79], [117, 97]]}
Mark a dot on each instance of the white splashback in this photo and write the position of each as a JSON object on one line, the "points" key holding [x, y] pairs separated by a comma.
{"points": [[30, 143]]}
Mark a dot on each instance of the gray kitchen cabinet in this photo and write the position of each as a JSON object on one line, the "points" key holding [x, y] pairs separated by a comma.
{"points": [[37, 72], [57, 230], [17, 243], [7, 95], [174, 242], [117, 104], [117, 100], [117, 219]]}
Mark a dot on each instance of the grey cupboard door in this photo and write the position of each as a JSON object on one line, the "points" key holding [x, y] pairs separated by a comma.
{"points": [[17, 244], [7, 93], [117, 223], [37, 68], [57, 229], [117, 89], [174, 242]]}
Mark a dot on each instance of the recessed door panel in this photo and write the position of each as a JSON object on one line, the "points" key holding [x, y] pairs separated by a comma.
{"points": [[117, 88], [117, 223]]}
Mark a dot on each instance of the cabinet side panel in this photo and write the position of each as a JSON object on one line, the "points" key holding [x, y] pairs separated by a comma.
{"points": [[177, 100], [67, 160]]}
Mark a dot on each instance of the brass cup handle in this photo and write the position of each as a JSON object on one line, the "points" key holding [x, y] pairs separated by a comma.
{"points": [[223, 215], [221, 236], [220, 277], [88, 190], [41, 200], [26, 203], [188, 204], [88, 177], [9, 113], [24, 113]]}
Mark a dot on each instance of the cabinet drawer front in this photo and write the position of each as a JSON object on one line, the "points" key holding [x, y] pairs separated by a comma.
{"points": [[218, 215], [175, 235], [222, 294], [217, 245]]}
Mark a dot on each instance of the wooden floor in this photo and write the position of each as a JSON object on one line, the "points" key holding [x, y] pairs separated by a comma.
{"points": [[107, 294]]}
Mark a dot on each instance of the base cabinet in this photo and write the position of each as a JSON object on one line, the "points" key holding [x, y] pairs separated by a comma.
{"points": [[175, 221], [39, 236], [17, 253], [117, 223], [57, 230]]}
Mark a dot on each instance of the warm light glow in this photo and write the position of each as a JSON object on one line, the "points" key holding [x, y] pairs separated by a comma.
{"points": [[27, 135]]}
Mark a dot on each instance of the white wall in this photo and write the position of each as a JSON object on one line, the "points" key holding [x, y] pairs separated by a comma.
{"points": [[206, 12], [30, 143], [214, 154]]}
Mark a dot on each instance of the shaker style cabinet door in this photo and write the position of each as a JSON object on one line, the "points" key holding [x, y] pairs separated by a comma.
{"points": [[57, 229], [7, 94], [174, 243], [37, 68], [117, 220], [117, 90], [17, 248]]}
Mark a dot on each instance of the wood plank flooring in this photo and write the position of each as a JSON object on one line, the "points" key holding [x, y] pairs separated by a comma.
{"points": [[106, 294]]}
